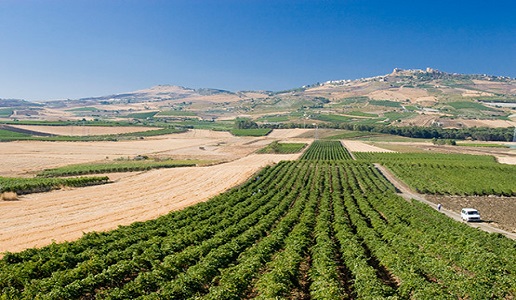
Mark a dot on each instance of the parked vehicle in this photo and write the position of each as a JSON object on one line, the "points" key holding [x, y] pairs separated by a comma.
{"points": [[470, 215]]}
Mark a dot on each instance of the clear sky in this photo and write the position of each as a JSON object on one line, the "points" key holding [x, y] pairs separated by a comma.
{"points": [[59, 49]]}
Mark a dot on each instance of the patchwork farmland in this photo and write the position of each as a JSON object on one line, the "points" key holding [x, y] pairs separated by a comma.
{"points": [[323, 226]]}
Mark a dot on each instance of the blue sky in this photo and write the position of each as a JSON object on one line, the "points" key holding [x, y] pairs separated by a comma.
{"points": [[57, 49]]}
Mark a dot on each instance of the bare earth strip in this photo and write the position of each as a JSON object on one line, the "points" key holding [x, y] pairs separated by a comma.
{"points": [[84, 130], [38, 219], [357, 146]]}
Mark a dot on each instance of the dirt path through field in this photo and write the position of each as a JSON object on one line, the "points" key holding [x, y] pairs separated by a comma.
{"points": [[38, 219], [408, 194]]}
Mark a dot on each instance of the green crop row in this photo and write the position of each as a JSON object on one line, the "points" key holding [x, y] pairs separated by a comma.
{"points": [[326, 150], [36, 185], [118, 166], [449, 174], [282, 148], [311, 229]]}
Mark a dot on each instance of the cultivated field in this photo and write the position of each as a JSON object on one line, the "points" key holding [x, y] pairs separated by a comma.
{"points": [[322, 226]]}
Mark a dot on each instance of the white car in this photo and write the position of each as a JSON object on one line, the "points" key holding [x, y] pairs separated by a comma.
{"points": [[470, 214]]}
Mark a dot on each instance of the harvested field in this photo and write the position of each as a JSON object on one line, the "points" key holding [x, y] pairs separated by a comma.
{"points": [[357, 146], [511, 160], [26, 157], [83, 130], [488, 123], [401, 94], [38, 219], [419, 120], [287, 133]]}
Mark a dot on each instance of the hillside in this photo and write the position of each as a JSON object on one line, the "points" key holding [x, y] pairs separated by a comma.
{"points": [[404, 97]]}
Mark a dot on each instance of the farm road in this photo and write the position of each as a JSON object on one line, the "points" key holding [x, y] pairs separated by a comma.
{"points": [[408, 194]]}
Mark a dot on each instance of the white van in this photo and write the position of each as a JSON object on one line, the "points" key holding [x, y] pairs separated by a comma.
{"points": [[470, 215]]}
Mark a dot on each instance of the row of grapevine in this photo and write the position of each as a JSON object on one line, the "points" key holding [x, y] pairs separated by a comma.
{"points": [[449, 174], [37, 185], [312, 229], [326, 150], [458, 180], [130, 166], [416, 157], [282, 148]]}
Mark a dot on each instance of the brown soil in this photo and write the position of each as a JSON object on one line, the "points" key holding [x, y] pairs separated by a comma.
{"points": [[498, 211]]}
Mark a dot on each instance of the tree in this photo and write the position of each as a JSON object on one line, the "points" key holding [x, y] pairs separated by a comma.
{"points": [[244, 123]]}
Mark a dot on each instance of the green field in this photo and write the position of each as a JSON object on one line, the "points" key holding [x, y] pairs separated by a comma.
{"points": [[362, 114], [449, 174], [332, 118], [144, 115], [251, 132], [326, 150], [274, 118], [6, 112], [282, 148], [346, 135], [469, 105], [37, 185], [482, 145], [176, 113], [7, 135], [305, 229], [117, 166], [84, 109]]}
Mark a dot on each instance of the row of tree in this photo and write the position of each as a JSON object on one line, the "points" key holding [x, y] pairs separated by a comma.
{"points": [[473, 133]]}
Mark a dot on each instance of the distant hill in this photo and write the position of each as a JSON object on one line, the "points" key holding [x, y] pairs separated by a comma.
{"points": [[17, 103], [403, 97]]}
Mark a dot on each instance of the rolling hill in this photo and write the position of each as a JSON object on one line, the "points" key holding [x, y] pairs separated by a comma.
{"points": [[404, 97]]}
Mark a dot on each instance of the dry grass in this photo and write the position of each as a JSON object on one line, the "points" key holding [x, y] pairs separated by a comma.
{"points": [[9, 196]]}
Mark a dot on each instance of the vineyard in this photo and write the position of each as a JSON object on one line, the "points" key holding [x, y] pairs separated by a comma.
{"points": [[449, 174], [306, 229], [35, 185], [326, 150], [282, 148]]}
